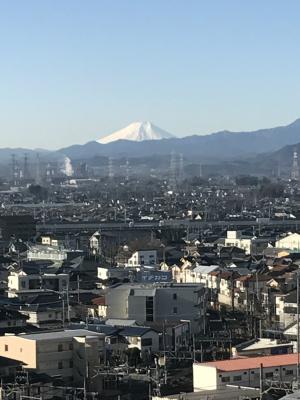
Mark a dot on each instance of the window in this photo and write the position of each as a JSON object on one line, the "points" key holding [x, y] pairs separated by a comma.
{"points": [[226, 379], [269, 375], [70, 346], [6, 347], [23, 284], [146, 342], [174, 296], [289, 372], [149, 308], [174, 310], [60, 365], [237, 378], [60, 347], [71, 363]]}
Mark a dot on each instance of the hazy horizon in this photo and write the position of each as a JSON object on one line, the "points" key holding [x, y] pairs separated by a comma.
{"points": [[74, 72]]}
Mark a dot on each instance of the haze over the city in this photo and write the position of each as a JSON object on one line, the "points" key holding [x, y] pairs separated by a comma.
{"points": [[75, 71]]}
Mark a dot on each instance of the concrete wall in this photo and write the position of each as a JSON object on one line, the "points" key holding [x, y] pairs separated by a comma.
{"points": [[19, 348], [204, 378]]}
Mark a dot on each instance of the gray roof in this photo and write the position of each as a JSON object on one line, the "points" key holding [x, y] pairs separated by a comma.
{"points": [[61, 334]]}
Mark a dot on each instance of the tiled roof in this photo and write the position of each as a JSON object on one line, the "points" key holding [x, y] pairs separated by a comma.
{"points": [[253, 362]]}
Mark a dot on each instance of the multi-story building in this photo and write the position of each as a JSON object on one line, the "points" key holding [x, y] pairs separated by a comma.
{"points": [[235, 238], [71, 354], [290, 242], [45, 252], [148, 303], [21, 285], [142, 257]]}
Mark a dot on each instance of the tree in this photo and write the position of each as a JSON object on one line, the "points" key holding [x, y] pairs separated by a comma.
{"points": [[134, 356]]}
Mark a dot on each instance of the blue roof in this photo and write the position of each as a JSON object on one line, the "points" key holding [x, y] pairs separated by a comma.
{"points": [[135, 331]]}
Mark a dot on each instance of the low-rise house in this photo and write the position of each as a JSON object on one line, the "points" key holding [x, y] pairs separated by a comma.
{"points": [[244, 371], [236, 239], [142, 257], [262, 347]]}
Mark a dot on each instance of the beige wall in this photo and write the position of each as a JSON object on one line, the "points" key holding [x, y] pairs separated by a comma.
{"points": [[20, 349]]}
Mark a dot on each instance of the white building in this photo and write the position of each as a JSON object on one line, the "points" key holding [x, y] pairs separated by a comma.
{"points": [[142, 257], [19, 283], [158, 302], [243, 371], [194, 274], [95, 243], [45, 252], [235, 238], [290, 242]]}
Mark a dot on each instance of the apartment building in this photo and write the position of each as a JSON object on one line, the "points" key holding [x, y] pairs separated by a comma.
{"points": [[46, 252], [68, 353], [20, 283], [148, 303]]}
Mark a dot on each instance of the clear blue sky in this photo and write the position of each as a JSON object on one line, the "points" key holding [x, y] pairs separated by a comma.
{"points": [[72, 71]]}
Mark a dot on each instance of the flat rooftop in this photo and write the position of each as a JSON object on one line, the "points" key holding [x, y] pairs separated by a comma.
{"points": [[61, 334]]}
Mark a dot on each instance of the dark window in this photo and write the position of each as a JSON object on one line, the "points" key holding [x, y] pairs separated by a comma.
{"points": [[269, 375], [174, 310], [289, 372], [70, 346], [147, 342], [149, 308], [226, 379], [174, 296], [60, 365], [6, 347], [71, 363], [237, 378], [60, 347]]}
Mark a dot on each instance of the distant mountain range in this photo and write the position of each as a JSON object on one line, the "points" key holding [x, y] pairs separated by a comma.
{"points": [[245, 152], [218, 146]]}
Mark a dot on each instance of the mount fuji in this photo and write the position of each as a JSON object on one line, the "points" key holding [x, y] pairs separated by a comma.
{"points": [[137, 132]]}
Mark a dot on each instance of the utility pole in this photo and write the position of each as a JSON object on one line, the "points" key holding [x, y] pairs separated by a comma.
{"points": [[298, 342], [261, 382]]}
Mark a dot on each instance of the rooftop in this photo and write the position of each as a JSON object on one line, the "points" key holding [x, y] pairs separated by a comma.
{"points": [[252, 362], [60, 334]]}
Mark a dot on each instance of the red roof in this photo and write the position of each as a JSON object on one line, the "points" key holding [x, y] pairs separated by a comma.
{"points": [[99, 301], [253, 362]]}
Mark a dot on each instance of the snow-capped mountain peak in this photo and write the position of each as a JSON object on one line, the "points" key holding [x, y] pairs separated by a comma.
{"points": [[137, 132]]}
